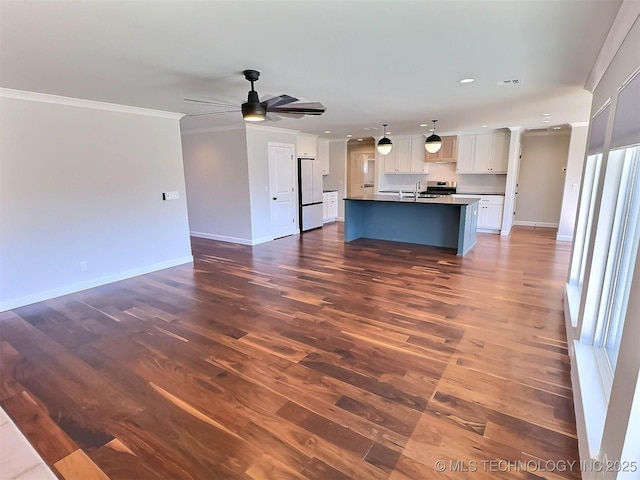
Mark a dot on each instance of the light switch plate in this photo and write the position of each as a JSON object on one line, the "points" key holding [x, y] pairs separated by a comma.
{"points": [[171, 195]]}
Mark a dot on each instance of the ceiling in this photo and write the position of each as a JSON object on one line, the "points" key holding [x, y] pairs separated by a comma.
{"points": [[369, 62]]}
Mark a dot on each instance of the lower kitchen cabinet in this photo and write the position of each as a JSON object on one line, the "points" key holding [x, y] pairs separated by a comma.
{"points": [[490, 212], [329, 206]]}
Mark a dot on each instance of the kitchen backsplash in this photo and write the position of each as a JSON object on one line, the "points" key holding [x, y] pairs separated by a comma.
{"points": [[445, 172]]}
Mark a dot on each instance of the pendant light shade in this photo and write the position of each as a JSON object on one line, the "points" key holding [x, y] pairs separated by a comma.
{"points": [[434, 142], [385, 145], [253, 110]]}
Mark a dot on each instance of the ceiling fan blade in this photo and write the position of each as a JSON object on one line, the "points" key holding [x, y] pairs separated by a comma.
{"points": [[279, 100], [299, 111], [219, 104], [211, 113], [290, 115], [272, 118], [312, 108]]}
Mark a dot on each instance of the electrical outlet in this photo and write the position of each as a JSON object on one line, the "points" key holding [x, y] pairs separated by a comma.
{"points": [[171, 195], [84, 267]]}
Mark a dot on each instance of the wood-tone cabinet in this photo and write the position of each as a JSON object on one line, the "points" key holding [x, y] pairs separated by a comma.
{"points": [[406, 157], [323, 155], [447, 153], [306, 145], [486, 153]]}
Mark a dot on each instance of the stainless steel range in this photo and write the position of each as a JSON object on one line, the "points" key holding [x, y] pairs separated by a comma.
{"points": [[437, 189]]}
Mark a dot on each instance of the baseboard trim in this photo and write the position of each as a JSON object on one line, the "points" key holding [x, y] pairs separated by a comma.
{"points": [[96, 282], [223, 238], [564, 238], [536, 224]]}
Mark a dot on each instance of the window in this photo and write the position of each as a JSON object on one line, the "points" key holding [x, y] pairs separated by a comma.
{"points": [[622, 255], [604, 255]]}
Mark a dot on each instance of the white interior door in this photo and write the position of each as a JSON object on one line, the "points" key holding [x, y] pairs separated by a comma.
{"points": [[282, 180]]}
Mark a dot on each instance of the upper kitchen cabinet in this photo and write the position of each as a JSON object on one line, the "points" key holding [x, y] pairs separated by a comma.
{"points": [[487, 153], [447, 152], [406, 156], [306, 145], [323, 155]]}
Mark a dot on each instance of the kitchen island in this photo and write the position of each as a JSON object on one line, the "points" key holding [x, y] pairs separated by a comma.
{"points": [[441, 222]]}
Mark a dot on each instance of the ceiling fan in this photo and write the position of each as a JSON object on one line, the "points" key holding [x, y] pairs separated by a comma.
{"points": [[253, 110]]}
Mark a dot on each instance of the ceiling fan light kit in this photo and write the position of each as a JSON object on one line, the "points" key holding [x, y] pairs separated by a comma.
{"points": [[385, 145], [253, 110], [434, 142]]}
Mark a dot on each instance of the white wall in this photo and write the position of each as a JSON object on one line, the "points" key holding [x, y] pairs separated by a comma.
{"points": [[541, 179], [82, 182], [216, 173], [258, 138], [227, 177], [571, 192]]}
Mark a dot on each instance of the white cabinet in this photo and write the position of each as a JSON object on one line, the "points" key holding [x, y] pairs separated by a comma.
{"points": [[490, 212], [482, 156], [306, 145], [418, 163], [466, 152], [323, 155], [500, 152], [487, 153], [325, 207], [329, 206], [406, 156]]}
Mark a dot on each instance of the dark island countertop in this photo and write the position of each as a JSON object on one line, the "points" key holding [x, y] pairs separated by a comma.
{"points": [[448, 200]]}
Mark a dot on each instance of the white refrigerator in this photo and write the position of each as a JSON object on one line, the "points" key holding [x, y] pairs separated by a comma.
{"points": [[310, 193]]}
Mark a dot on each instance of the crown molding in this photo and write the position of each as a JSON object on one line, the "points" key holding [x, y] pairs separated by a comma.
{"points": [[628, 14], [224, 128], [82, 103], [268, 128]]}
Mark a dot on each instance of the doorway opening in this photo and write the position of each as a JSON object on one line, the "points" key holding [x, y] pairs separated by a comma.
{"points": [[361, 166], [541, 178]]}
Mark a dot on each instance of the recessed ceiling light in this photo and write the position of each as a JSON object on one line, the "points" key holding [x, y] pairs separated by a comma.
{"points": [[327, 131], [360, 139], [423, 124], [388, 132], [483, 126], [349, 136], [546, 120], [467, 80], [557, 128], [546, 114]]}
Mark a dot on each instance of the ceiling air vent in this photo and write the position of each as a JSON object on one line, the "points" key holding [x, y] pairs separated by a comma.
{"points": [[509, 82]]}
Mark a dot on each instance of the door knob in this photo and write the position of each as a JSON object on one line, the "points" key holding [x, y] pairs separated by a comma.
{"points": [[275, 198]]}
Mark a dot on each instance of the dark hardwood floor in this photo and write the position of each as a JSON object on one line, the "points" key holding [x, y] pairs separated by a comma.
{"points": [[305, 358]]}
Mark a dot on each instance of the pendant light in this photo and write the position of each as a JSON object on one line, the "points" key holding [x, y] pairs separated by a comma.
{"points": [[434, 142], [385, 145]]}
